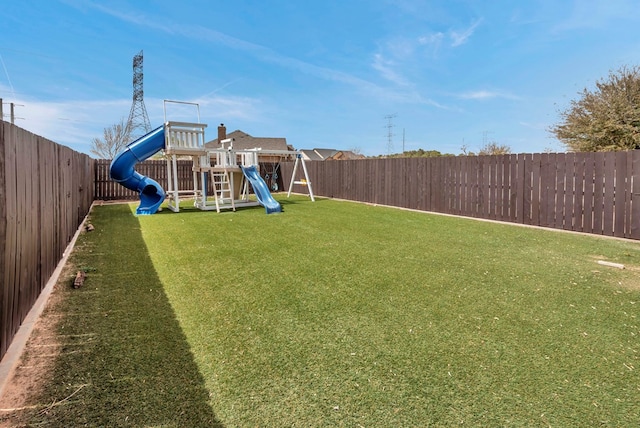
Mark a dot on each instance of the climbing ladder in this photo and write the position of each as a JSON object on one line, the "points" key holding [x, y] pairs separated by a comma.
{"points": [[223, 190]]}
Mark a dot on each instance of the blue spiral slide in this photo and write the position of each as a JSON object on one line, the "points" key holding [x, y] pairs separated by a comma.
{"points": [[122, 170], [261, 190]]}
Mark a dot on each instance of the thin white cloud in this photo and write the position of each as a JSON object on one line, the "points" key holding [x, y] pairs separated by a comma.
{"points": [[431, 39], [596, 14], [220, 88], [536, 126], [403, 91], [485, 94], [387, 70], [460, 38], [231, 108], [264, 53], [431, 43], [400, 47], [4, 67], [75, 123], [268, 55]]}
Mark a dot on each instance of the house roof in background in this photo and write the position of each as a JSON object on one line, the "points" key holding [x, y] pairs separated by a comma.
{"points": [[325, 153], [244, 141], [311, 155], [330, 154], [345, 155]]}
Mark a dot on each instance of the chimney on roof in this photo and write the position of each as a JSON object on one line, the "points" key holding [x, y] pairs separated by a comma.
{"points": [[222, 133]]}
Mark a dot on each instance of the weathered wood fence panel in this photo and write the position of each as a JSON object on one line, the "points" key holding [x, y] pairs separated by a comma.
{"points": [[45, 192], [595, 193], [105, 189]]}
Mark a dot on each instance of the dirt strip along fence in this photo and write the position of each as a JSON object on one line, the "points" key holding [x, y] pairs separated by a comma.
{"points": [[596, 193], [45, 191]]}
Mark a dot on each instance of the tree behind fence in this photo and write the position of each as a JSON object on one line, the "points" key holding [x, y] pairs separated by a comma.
{"points": [[45, 192]]}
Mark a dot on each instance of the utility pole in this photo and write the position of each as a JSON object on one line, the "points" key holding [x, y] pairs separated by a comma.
{"points": [[12, 111], [389, 127]]}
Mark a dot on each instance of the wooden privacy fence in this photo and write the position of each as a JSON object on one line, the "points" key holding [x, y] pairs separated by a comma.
{"points": [[45, 191], [583, 192], [106, 189], [595, 193]]}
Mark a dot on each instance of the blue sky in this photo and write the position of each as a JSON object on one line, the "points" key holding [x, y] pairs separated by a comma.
{"points": [[320, 73]]}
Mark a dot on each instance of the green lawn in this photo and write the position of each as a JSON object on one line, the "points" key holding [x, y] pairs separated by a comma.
{"points": [[342, 314]]}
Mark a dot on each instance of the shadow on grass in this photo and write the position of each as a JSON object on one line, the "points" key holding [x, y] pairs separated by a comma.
{"points": [[125, 360]]}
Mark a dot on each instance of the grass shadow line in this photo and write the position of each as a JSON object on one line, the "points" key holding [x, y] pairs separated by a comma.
{"points": [[125, 360]]}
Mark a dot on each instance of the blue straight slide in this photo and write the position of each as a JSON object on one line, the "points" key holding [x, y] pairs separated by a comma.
{"points": [[261, 190], [122, 170]]}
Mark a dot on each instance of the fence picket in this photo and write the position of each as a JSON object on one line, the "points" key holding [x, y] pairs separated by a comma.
{"points": [[609, 193]]}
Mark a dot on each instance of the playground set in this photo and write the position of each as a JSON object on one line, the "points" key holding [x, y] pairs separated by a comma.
{"points": [[221, 176]]}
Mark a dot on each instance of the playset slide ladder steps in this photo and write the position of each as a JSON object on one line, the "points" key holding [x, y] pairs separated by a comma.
{"points": [[223, 189]]}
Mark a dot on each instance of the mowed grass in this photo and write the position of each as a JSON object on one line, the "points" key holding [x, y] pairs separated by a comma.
{"points": [[336, 313], [342, 314]]}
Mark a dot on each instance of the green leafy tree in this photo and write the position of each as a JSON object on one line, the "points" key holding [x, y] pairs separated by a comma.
{"points": [[493, 148], [606, 118], [115, 138], [420, 153], [490, 148]]}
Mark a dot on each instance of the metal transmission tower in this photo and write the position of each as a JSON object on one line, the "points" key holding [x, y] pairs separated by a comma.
{"points": [[390, 133], [138, 123]]}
